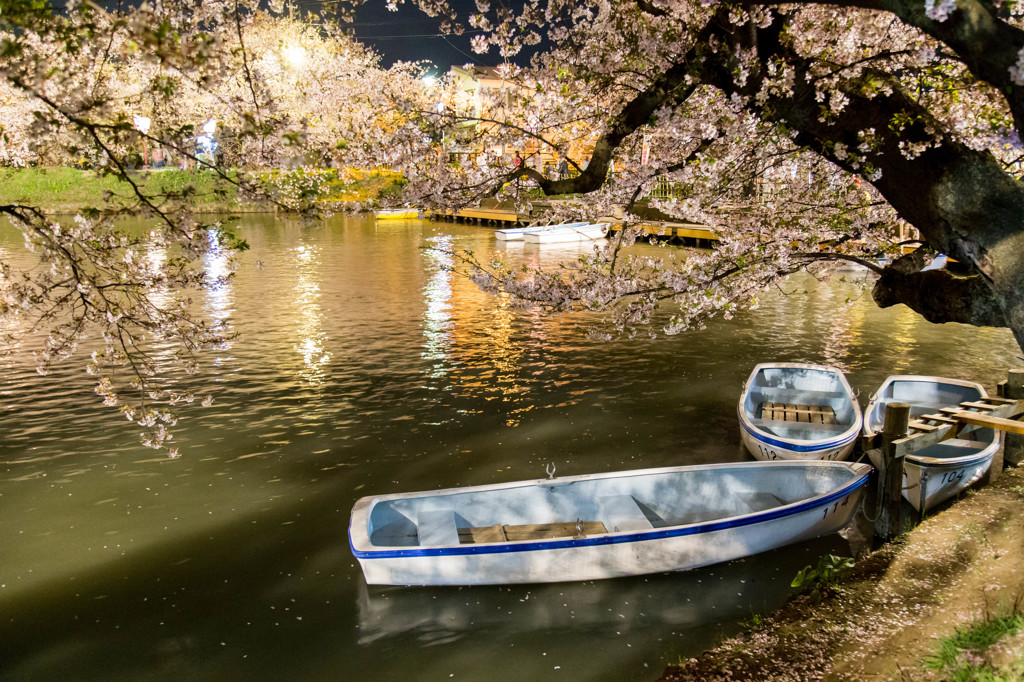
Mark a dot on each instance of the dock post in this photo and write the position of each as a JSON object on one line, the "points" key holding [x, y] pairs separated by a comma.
{"points": [[888, 520], [1013, 444]]}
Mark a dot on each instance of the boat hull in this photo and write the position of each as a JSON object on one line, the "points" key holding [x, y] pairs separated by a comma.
{"points": [[803, 387], [941, 471], [514, 234], [558, 234], [618, 553]]}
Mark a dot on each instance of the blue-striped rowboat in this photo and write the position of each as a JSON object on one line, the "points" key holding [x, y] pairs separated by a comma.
{"points": [[939, 471], [604, 525], [795, 410]]}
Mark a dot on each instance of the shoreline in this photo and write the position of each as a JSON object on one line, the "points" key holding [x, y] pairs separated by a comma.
{"points": [[884, 618]]}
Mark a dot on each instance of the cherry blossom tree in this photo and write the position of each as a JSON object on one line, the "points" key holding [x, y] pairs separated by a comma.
{"points": [[80, 83], [870, 114]]}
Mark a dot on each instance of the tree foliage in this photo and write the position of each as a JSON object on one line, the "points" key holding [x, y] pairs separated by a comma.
{"points": [[862, 115], [799, 132], [73, 83]]}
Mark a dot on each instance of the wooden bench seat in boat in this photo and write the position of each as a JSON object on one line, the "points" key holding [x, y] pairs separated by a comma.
{"points": [[791, 412], [528, 531]]}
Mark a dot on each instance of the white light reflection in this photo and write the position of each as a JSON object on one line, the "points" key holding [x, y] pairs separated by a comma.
{"points": [[437, 318], [219, 293], [312, 339]]}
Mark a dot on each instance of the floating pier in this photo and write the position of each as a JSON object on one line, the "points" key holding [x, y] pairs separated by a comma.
{"points": [[690, 234]]}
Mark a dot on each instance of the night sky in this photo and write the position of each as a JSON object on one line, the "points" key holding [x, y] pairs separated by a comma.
{"points": [[410, 35]]}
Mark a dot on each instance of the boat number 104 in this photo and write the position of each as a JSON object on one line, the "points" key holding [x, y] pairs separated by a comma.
{"points": [[951, 476], [833, 508]]}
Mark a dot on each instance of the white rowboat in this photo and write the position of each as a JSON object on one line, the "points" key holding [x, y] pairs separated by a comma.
{"points": [[795, 410], [939, 471], [600, 525], [565, 234], [512, 234]]}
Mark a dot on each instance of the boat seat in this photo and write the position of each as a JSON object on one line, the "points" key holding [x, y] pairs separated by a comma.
{"points": [[529, 531], [558, 529], [756, 502], [622, 513], [791, 412], [436, 528], [495, 533]]}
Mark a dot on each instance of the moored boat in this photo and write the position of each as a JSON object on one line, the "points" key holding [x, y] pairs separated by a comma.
{"points": [[565, 234], [939, 471], [604, 525], [795, 410], [512, 234]]}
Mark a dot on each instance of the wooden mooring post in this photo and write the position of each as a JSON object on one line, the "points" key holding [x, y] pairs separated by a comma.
{"points": [[1013, 444], [888, 519]]}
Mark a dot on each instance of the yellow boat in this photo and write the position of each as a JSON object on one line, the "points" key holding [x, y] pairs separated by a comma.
{"points": [[398, 214]]}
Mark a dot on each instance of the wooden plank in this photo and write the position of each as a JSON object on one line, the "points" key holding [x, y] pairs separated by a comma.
{"points": [[937, 418], [999, 423], [999, 402], [790, 411], [921, 426], [541, 531], [921, 440], [469, 536], [978, 406]]}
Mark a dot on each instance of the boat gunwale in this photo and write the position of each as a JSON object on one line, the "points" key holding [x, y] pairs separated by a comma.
{"points": [[798, 444], [362, 508], [801, 444], [953, 462]]}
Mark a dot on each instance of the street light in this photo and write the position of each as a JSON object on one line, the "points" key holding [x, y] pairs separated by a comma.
{"points": [[295, 55]]}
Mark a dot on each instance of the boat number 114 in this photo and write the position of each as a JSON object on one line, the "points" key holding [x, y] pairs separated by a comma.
{"points": [[833, 508]]}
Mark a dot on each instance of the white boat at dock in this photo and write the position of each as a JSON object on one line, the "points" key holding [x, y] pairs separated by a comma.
{"points": [[604, 525], [565, 234], [939, 471], [513, 234], [795, 410], [398, 214]]}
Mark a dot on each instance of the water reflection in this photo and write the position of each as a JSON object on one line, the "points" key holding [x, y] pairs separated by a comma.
{"points": [[232, 561], [312, 338], [437, 294], [219, 294]]}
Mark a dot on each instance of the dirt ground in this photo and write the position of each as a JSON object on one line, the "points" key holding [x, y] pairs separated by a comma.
{"points": [[888, 613]]}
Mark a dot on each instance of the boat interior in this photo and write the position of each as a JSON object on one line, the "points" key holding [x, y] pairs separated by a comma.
{"points": [[587, 507], [799, 403], [928, 395]]}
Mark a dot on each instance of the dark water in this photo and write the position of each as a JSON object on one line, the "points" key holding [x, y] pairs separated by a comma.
{"points": [[363, 367]]}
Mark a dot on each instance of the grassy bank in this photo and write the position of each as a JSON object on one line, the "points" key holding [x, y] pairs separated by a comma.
{"points": [[944, 603], [68, 189]]}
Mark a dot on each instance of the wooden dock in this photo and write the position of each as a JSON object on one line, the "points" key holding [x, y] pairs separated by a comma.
{"points": [[690, 234], [483, 216]]}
